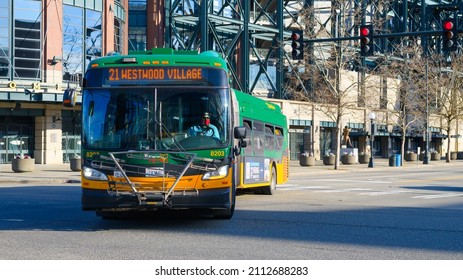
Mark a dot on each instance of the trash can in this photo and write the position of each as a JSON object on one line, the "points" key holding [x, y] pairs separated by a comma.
{"points": [[398, 160], [392, 161], [75, 163]]}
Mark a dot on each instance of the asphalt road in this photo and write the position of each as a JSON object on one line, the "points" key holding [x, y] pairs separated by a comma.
{"points": [[396, 213]]}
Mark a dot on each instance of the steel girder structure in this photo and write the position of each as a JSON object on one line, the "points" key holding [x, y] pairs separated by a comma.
{"points": [[419, 20], [246, 32], [396, 23], [254, 32]]}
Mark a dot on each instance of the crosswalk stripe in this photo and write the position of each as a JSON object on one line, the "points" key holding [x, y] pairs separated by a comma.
{"points": [[295, 187], [384, 193], [364, 191], [443, 195], [356, 181], [344, 190]]}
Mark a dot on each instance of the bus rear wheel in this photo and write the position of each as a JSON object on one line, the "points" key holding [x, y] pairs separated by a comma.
{"points": [[270, 189]]}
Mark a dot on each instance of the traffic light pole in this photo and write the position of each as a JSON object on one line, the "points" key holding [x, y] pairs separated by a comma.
{"points": [[426, 151]]}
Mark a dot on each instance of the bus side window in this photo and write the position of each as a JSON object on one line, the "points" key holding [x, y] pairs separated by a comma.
{"points": [[279, 138], [248, 124], [269, 138], [258, 140]]}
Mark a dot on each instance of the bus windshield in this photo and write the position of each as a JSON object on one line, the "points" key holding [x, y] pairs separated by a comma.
{"points": [[175, 118]]}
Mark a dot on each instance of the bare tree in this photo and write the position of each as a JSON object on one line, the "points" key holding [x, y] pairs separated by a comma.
{"points": [[330, 75], [407, 78], [448, 90], [322, 73]]}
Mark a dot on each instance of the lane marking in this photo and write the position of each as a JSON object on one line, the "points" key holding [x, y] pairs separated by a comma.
{"points": [[384, 193], [433, 196], [295, 187], [438, 179], [344, 190], [356, 181], [367, 191]]}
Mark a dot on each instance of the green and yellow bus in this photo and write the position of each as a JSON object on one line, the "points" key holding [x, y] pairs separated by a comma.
{"points": [[164, 129]]}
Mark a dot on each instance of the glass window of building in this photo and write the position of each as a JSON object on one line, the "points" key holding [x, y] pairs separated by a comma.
{"points": [[118, 35], [73, 43], [137, 25], [4, 42], [27, 38], [93, 36], [82, 40]]}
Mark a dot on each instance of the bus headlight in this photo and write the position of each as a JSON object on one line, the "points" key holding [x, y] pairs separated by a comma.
{"points": [[220, 173], [92, 174]]}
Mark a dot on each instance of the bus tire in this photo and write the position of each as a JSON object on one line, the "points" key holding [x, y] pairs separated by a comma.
{"points": [[226, 214], [270, 189]]}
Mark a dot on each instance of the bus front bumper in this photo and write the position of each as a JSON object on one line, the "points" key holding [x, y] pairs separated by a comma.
{"points": [[102, 199]]}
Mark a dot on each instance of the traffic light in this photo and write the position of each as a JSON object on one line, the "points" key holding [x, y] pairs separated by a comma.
{"points": [[366, 40], [297, 44], [449, 35]]}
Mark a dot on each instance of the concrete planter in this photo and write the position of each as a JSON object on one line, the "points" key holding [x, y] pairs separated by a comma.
{"points": [[435, 156], [329, 160], [411, 157], [348, 159], [307, 160], [23, 164], [364, 158], [75, 164], [453, 155]]}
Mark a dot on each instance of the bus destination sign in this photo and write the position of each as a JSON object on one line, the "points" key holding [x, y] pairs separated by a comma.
{"points": [[121, 74]]}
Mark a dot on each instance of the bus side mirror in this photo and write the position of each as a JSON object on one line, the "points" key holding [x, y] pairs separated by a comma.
{"points": [[239, 133]]}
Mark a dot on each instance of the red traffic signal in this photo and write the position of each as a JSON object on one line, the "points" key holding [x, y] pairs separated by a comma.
{"points": [[364, 31], [295, 36], [297, 45], [366, 40], [449, 35], [448, 25]]}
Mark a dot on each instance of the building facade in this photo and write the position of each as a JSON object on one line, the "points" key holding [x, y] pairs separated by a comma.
{"points": [[45, 47]]}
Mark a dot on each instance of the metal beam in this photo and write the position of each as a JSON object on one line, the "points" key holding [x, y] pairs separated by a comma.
{"points": [[259, 29]]}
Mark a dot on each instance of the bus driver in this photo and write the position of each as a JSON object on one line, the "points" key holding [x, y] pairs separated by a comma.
{"points": [[206, 128]]}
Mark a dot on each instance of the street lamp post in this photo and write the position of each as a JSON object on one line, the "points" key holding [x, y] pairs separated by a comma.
{"points": [[372, 116]]}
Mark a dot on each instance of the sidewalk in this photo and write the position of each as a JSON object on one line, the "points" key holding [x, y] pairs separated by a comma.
{"points": [[43, 174], [62, 174]]}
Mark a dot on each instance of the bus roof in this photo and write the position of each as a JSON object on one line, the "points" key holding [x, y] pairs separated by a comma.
{"points": [[259, 109], [161, 57]]}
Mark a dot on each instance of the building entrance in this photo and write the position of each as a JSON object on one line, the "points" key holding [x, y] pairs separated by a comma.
{"points": [[16, 137]]}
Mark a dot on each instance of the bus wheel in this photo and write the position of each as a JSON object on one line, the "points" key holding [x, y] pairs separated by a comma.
{"points": [[270, 189], [226, 214]]}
